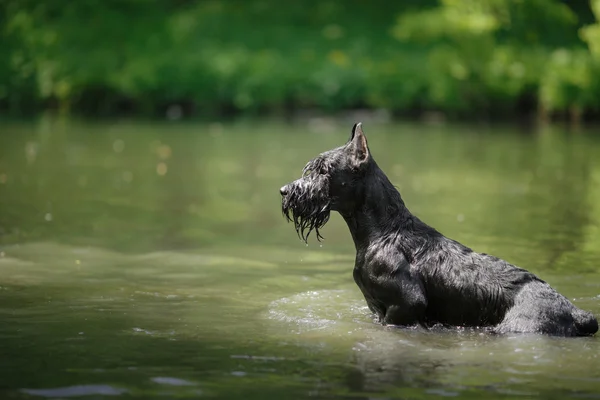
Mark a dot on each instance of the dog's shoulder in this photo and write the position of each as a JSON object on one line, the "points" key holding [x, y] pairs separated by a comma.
{"points": [[385, 257]]}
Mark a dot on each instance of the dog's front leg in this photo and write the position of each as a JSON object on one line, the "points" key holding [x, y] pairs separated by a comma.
{"points": [[376, 308], [404, 316], [405, 299]]}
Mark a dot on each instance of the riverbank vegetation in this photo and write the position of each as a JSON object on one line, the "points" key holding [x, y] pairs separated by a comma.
{"points": [[471, 58]]}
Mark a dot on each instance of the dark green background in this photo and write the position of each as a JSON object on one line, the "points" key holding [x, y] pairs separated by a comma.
{"points": [[472, 58]]}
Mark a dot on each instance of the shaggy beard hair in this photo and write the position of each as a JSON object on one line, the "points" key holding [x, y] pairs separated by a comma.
{"points": [[307, 206]]}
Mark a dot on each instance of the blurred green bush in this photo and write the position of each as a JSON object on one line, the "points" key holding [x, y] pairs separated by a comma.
{"points": [[460, 57]]}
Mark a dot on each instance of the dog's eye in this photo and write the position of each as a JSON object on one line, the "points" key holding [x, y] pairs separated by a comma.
{"points": [[307, 172]]}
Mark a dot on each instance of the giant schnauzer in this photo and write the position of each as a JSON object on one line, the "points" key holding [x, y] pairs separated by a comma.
{"points": [[409, 273]]}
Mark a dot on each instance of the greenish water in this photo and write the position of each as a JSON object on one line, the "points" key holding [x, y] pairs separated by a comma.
{"points": [[151, 260]]}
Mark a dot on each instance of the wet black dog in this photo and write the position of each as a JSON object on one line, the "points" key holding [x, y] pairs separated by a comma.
{"points": [[409, 273]]}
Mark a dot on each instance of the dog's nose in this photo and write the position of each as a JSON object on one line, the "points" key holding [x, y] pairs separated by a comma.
{"points": [[283, 190]]}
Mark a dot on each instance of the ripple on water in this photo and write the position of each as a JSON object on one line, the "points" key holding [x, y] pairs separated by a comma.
{"points": [[318, 310], [165, 380], [76, 391]]}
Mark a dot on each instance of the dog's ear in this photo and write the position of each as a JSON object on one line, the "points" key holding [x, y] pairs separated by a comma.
{"points": [[358, 145]]}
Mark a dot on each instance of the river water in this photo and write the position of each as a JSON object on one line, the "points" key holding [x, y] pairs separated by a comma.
{"points": [[151, 260]]}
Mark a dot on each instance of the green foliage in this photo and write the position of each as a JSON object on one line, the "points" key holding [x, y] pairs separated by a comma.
{"points": [[493, 51], [459, 56]]}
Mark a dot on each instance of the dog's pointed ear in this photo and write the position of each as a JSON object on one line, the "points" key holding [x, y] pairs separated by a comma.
{"points": [[358, 145]]}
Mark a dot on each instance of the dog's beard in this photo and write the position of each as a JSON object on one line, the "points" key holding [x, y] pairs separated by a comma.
{"points": [[307, 206]]}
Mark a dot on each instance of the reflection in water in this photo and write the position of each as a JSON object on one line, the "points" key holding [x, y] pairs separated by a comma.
{"points": [[163, 380], [76, 391], [440, 361], [563, 167], [121, 276]]}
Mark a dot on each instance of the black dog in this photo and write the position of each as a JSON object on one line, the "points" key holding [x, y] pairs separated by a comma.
{"points": [[409, 273]]}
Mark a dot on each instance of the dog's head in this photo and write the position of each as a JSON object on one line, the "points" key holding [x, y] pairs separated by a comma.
{"points": [[329, 182]]}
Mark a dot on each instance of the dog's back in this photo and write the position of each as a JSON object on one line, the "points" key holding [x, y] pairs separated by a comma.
{"points": [[473, 289]]}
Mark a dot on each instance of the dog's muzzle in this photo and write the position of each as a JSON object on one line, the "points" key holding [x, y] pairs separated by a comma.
{"points": [[305, 202]]}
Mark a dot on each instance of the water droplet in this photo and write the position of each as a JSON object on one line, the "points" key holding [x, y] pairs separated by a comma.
{"points": [[163, 151], [77, 262], [31, 149], [48, 217], [118, 145], [127, 176], [161, 169]]}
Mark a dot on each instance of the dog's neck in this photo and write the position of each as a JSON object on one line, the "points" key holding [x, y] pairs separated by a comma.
{"points": [[379, 211]]}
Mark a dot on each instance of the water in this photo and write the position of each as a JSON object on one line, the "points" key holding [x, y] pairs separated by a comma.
{"points": [[151, 260]]}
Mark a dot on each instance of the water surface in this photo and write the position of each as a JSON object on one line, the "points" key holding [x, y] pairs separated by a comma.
{"points": [[151, 260]]}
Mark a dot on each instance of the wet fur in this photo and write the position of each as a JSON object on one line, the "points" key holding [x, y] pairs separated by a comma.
{"points": [[411, 274], [307, 203]]}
